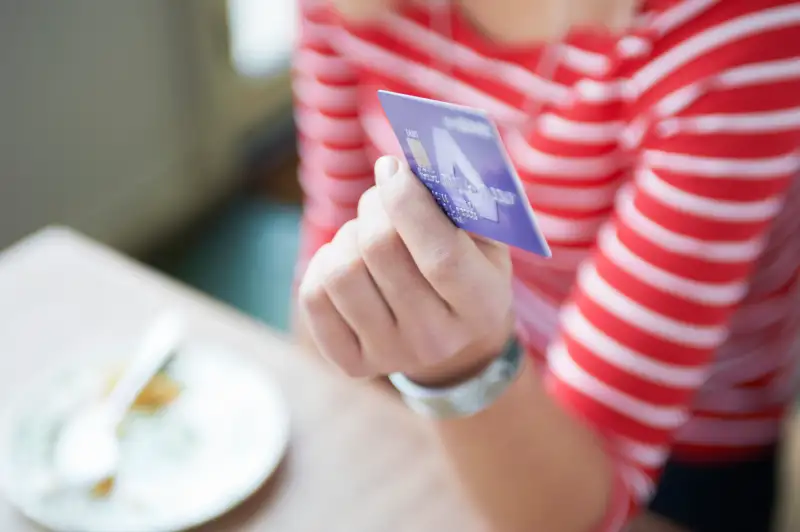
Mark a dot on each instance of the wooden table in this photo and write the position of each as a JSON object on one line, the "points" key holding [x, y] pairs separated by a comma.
{"points": [[358, 461]]}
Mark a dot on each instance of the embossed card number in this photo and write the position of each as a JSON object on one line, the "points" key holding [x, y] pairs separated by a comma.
{"points": [[458, 154]]}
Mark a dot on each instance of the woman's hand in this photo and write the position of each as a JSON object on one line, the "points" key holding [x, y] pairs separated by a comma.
{"points": [[400, 288]]}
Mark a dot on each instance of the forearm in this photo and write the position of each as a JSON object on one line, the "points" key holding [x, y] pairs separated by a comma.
{"points": [[527, 464]]}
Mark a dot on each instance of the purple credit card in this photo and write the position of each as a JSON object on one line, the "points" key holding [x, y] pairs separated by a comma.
{"points": [[457, 153]]}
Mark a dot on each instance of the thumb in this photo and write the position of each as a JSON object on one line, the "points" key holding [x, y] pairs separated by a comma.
{"points": [[420, 221], [413, 211]]}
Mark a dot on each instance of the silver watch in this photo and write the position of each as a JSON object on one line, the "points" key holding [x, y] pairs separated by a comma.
{"points": [[466, 398]]}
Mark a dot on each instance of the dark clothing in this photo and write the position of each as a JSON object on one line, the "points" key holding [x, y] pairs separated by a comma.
{"points": [[736, 497]]}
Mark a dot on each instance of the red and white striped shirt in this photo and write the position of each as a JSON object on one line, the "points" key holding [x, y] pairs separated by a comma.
{"points": [[662, 171]]}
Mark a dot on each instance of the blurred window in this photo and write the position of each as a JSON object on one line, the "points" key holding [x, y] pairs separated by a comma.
{"points": [[261, 33]]}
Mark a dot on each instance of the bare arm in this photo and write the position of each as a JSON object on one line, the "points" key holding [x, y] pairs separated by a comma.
{"points": [[528, 464]]}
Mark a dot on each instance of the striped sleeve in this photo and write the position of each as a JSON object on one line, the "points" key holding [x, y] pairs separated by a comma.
{"points": [[334, 168], [653, 303]]}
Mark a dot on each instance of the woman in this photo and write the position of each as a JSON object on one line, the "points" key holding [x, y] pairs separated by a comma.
{"points": [[657, 142]]}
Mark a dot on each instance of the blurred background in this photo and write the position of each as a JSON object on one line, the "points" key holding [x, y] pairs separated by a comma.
{"points": [[160, 127]]}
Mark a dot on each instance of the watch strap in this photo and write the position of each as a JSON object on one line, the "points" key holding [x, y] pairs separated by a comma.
{"points": [[466, 398]]}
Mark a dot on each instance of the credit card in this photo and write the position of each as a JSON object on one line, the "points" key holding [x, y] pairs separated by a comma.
{"points": [[458, 154]]}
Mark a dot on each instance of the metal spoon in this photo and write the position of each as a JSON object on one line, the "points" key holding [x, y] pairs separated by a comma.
{"points": [[87, 449]]}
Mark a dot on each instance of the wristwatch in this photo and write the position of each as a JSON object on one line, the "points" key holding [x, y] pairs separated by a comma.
{"points": [[466, 398]]}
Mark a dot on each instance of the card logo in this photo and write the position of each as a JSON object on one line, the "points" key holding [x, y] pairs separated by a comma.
{"points": [[466, 186], [462, 124]]}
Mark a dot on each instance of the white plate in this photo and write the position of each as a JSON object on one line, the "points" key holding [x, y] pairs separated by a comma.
{"points": [[198, 458]]}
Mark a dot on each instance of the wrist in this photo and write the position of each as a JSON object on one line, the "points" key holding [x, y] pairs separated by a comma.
{"points": [[450, 373], [465, 365], [468, 396]]}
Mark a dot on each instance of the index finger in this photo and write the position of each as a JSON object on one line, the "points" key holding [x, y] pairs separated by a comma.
{"points": [[445, 254]]}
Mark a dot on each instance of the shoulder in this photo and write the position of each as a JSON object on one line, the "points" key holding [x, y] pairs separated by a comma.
{"points": [[697, 38], [719, 53]]}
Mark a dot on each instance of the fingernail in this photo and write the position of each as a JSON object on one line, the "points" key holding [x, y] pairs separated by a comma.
{"points": [[386, 167]]}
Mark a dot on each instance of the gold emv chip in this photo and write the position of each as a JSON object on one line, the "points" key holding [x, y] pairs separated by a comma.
{"points": [[419, 153]]}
